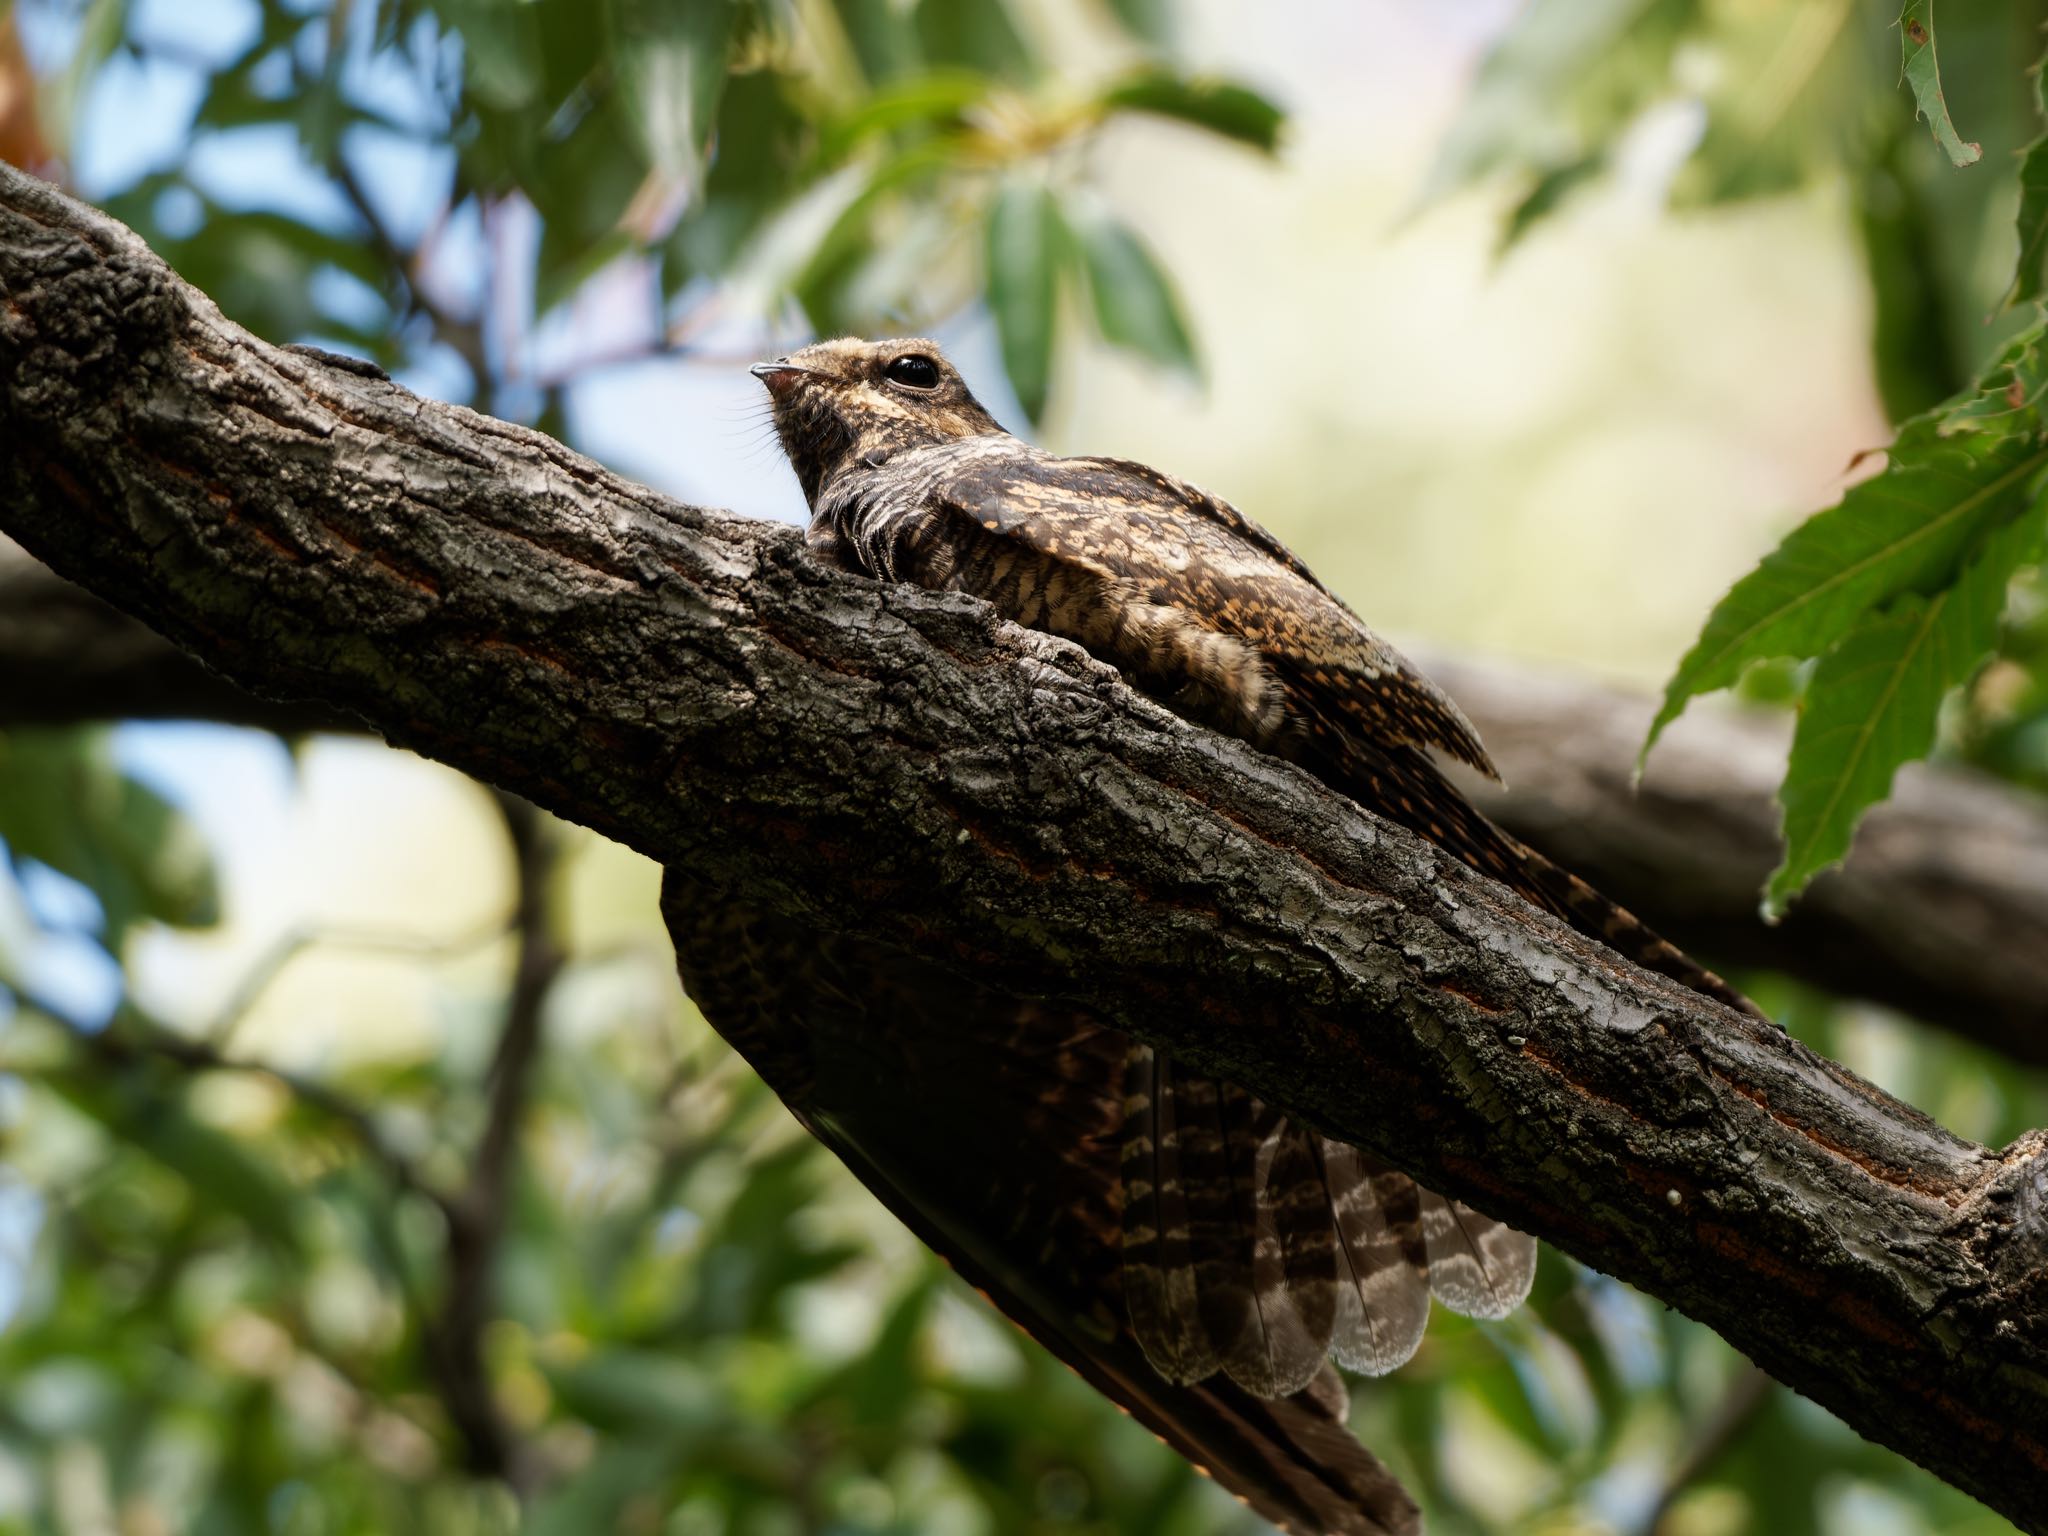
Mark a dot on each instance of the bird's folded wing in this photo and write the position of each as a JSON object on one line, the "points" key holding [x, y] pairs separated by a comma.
{"points": [[1165, 542]]}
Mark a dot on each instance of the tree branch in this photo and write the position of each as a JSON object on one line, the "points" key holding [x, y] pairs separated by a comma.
{"points": [[900, 765], [67, 658], [1732, 1416], [476, 1217], [1941, 910]]}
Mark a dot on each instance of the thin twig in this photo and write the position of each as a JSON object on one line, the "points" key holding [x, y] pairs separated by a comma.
{"points": [[466, 336], [293, 942], [477, 1215], [1737, 1410], [133, 1037]]}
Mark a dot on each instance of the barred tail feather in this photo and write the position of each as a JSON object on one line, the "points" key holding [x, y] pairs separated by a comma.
{"points": [[1158, 1271], [1382, 1297], [1477, 1266], [1218, 1274], [1281, 1332]]}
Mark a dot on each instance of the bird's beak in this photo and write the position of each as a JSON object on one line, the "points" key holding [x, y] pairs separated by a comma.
{"points": [[780, 376]]}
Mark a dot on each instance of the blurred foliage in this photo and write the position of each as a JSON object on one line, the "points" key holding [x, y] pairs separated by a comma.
{"points": [[1897, 595], [225, 1286], [1767, 99], [854, 166]]}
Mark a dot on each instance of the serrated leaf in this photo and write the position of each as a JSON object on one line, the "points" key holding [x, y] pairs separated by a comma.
{"points": [[1904, 530], [1875, 699], [1234, 111], [2008, 396], [1135, 305], [1024, 247], [2033, 215], [1923, 73]]}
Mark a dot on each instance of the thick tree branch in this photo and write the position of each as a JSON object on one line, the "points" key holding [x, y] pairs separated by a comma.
{"points": [[1941, 910], [67, 658], [902, 765]]}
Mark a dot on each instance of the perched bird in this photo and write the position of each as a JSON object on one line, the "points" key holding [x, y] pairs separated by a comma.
{"points": [[1183, 1246]]}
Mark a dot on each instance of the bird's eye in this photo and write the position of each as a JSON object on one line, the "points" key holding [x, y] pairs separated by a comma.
{"points": [[913, 370]]}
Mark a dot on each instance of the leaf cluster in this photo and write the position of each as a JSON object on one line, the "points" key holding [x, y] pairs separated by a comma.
{"points": [[1892, 601], [860, 166]]}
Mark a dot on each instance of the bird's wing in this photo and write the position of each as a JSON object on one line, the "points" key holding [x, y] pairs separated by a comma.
{"points": [[1349, 707], [1150, 539], [991, 1127]]}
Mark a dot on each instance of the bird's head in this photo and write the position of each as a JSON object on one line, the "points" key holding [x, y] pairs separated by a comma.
{"points": [[839, 403]]}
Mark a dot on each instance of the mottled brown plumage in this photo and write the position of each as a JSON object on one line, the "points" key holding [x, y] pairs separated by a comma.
{"points": [[1188, 1249], [990, 1126]]}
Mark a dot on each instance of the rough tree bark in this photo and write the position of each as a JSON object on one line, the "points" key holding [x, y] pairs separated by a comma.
{"points": [[1941, 909], [903, 766]]}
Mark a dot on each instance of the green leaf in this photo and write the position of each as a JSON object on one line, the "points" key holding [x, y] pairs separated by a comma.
{"points": [[977, 34], [672, 61], [939, 97], [1150, 21], [595, 1497], [1875, 699], [1024, 247], [631, 1391], [2033, 215], [1518, 110], [501, 52], [1545, 197], [1135, 305], [1904, 530], [1233, 111], [64, 803], [1918, 356], [143, 1109], [1923, 74], [760, 138], [881, 39]]}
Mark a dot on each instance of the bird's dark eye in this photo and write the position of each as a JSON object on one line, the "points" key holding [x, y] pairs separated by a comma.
{"points": [[914, 371]]}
